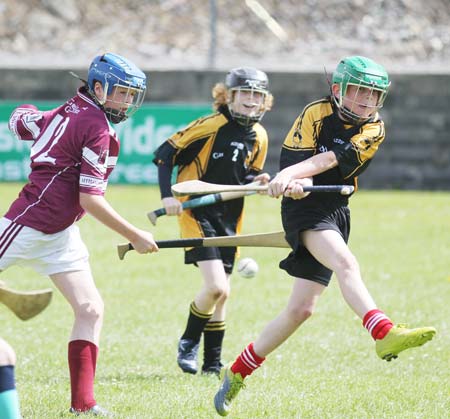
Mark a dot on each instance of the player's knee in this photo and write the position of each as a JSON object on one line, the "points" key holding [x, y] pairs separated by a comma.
{"points": [[300, 313], [219, 290], [91, 310], [347, 264], [218, 293], [7, 354], [225, 293]]}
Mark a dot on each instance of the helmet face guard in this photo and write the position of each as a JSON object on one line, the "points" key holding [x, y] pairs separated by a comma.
{"points": [[123, 102], [124, 86], [369, 79], [248, 88], [247, 105]]}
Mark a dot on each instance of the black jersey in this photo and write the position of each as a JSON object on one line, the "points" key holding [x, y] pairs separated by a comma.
{"points": [[317, 130], [215, 149]]}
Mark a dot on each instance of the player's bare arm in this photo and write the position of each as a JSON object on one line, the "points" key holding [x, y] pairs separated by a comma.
{"points": [[98, 207], [310, 167]]}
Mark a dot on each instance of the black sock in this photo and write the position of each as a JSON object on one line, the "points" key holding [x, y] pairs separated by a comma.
{"points": [[196, 323], [213, 335], [7, 381]]}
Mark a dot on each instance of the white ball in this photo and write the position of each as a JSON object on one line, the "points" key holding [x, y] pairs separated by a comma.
{"points": [[247, 268]]}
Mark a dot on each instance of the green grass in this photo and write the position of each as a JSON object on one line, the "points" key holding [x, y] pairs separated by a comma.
{"points": [[328, 369]]}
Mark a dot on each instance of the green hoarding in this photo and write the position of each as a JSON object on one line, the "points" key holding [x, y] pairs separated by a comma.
{"points": [[139, 137]]}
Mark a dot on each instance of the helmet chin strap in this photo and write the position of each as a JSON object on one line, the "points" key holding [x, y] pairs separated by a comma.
{"points": [[114, 116], [244, 119], [347, 116], [352, 118]]}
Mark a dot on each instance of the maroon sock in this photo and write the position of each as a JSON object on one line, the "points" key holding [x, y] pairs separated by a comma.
{"points": [[377, 323], [82, 363], [247, 362]]}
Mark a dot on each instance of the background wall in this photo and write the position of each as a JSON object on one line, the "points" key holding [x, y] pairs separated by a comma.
{"points": [[415, 154]]}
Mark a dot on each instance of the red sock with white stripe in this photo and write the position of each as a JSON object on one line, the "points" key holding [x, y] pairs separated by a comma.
{"points": [[82, 363], [377, 323], [247, 362]]}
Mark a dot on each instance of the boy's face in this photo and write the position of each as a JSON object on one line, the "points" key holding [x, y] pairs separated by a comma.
{"points": [[361, 101], [120, 99], [247, 102], [122, 102]]}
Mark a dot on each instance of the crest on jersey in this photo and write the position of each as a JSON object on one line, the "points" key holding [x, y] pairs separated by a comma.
{"points": [[72, 108]]}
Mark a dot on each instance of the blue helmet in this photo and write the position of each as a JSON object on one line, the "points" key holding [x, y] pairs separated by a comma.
{"points": [[113, 70]]}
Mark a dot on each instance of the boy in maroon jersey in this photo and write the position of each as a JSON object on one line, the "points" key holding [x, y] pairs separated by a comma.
{"points": [[75, 149]]}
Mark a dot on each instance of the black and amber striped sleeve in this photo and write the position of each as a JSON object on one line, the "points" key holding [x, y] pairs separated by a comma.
{"points": [[197, 130], [166, 153], [185, 145], [259, 152], [355, 156]]}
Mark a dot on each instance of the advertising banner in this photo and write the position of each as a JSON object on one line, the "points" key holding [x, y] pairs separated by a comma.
{"points": [[139, 137]]}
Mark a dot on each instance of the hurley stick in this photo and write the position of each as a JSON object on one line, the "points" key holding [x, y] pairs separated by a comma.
{"points": [[247, 240], [197, 187], [25, 304]]}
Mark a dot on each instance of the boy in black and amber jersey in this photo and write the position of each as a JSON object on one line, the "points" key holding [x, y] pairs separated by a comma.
{"points": [[228, 147], [331, 142]]}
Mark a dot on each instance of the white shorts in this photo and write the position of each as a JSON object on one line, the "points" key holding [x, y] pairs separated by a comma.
{"points": [[46, 253]]}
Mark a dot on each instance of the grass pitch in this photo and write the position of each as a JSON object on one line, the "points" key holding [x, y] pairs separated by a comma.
{"points": [[327, 370]]}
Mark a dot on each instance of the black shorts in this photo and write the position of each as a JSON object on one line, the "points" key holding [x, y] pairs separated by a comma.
{"points": [[226, 254], [300, 262], [222, 219]]}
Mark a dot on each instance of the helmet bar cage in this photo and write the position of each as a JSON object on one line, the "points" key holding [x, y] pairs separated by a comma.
{"points": [[126, 98], [350, 80], [255, 104]]}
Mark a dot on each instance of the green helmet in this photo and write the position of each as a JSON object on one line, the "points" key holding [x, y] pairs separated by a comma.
{"points": [[363, 73]]}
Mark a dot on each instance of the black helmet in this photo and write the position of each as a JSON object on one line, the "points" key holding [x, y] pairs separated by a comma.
{"points": [[247, 79]]}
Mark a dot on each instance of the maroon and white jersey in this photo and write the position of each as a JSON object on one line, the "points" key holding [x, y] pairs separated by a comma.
{"points": [[74, 150]]}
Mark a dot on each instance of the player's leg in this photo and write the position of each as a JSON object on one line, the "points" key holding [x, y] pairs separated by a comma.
{"points": [[9, 400], [301, 305], [213, 335], [79, 289], [214, 286], [64, 257], [197, 223], [214, 332], [330, 249]]}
